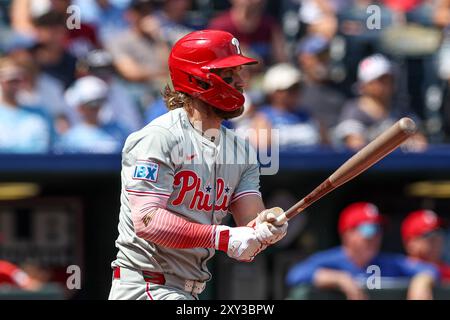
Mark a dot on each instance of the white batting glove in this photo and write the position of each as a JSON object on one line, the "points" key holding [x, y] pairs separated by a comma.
{"points": [[266, 231], [239, 243]]}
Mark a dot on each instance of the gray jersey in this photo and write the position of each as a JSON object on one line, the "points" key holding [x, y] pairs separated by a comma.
{"points": [[199, 178]]}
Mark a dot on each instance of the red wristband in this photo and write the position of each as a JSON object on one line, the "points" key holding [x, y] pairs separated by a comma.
{"points": [[224, 238]]}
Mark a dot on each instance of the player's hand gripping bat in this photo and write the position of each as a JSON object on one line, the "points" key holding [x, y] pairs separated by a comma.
{"points": [[384, 144]]}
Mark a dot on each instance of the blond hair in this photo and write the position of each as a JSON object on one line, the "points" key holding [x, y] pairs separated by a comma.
{"points": [[176, 99]]}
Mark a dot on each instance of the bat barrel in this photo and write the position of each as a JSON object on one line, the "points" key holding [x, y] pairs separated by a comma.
{"points": [[379, 148], [376, 150], [408, 126]]}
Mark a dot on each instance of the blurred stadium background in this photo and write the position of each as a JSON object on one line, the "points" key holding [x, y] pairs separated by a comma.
{"points": [[59, 205]]}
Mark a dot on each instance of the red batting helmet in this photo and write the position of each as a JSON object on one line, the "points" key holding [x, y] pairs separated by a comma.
{"points": [[194, 56]]}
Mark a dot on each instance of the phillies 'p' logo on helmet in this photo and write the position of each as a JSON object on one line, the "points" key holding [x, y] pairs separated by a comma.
{"points": [[192, 60]]}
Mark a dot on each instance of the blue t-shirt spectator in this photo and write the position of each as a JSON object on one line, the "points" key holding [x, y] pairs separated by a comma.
{"points": [[46, 116], [390, 266], [84, 138], [22, 131], [296, 128]]}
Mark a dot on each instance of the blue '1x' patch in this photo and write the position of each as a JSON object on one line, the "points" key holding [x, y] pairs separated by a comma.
{"points": [[147, 171]]}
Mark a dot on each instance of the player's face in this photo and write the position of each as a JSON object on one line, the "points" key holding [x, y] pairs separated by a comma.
{"points": [[232, 76]]}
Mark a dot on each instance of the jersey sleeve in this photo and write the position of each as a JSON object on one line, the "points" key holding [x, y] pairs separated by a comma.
{"points": [[249, 181], [148, 168]]}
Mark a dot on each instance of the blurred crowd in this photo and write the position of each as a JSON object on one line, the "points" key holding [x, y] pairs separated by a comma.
{"points": [[358, 265], [81, 75]]}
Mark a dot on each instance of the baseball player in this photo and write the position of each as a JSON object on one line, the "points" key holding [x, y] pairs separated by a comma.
{"points": [[183, 173]]}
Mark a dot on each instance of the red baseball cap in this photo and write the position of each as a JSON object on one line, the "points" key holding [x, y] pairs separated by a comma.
{"points": [[419, 222], [357, 214]]}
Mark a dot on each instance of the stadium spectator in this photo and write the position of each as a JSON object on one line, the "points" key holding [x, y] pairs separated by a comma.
{"points": [[256, 31], [11, 41], [412, 11], [345, 268], [11, 274], [364, 118], [105, 15], [172, 19], [140, 52], [22, 131], [88, 95], [441, 13], [79, 37], [362, 31], [423, 239], [120, 106], [282, 86], [442, 18], [40, 91], [50, 54], [320, 97], [319, 16]]}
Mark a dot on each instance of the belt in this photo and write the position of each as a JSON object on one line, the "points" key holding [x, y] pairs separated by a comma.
{"points": [[190, 286]]}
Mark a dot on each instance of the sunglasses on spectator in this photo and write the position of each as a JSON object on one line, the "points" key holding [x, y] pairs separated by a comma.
{"points": [[369, 230]]}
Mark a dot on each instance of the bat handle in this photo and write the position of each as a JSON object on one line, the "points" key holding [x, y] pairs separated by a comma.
{"points": [[281, 219]]}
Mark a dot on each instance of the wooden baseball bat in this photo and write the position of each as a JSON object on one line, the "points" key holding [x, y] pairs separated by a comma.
{"points": [[376, 150]]}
